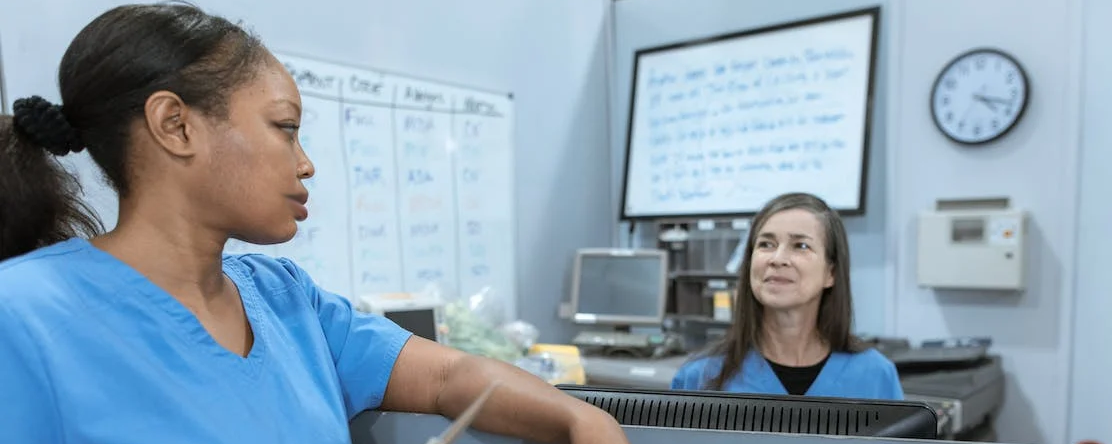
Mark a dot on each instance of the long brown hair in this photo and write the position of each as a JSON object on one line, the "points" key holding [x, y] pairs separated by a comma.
{"points": [[835, 317]]}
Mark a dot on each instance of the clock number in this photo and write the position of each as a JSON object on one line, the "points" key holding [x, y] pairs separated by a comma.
{"points": [[964, 69], [945, 100], [995, 124], [977, 130], [949, 116], [951, 83], [1007, 111], [1015, 92], [1011, 77], [980, 63]]}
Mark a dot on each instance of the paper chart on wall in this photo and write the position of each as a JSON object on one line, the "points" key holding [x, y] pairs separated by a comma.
{"points": [[413, 185]]}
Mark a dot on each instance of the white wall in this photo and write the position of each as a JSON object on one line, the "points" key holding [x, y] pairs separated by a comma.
{"points": [[1035, 166], [551, 55], [646, 23], [1091, 388]]}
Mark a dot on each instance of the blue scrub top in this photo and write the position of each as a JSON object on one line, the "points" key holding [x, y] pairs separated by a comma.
{"points": [[864, 375], [93, 352]]}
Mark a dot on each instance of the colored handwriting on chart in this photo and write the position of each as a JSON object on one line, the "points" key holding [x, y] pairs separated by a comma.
{"points": [[476, 250], [410, 162]]}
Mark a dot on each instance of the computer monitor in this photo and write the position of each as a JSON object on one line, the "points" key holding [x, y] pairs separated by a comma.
{"points": [[620, 287], [762, 413], [420, 315]]}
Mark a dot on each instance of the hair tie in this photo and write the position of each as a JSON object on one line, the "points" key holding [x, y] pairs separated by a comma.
{"points": [[45, 125]]}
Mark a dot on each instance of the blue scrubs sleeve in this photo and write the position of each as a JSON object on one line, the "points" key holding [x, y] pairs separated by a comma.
{"points": [[27, 410], [693, 375], [892, 389], [364, 346], [684, 378]]}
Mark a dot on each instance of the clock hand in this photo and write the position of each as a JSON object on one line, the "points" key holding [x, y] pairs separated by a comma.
{"points": [[985, 101], [984, 98]]}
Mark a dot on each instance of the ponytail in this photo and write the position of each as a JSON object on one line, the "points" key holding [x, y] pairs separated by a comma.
{"points": [[40, 201]]}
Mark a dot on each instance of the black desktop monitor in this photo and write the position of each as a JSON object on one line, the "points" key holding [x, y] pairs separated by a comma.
{"points": [[762, 413]]}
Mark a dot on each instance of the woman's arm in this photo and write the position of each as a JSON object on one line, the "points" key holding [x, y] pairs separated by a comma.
{"points": [[431, 378]]}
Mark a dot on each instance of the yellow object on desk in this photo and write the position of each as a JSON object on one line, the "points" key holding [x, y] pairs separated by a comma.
{"points": [[565, 360], [723, 305]]}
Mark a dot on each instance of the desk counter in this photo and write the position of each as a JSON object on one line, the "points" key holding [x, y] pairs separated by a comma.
{"points": [[403, 428]]}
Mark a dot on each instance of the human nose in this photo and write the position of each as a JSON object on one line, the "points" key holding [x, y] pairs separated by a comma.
{"points": [[779, 257], [305, 168]]}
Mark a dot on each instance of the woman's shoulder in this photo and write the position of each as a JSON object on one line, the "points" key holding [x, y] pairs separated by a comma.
{"points": [[267, 273], [42, 272], [701, 362], [869, 360], [43, 257], [50, 287], [277, 280]]}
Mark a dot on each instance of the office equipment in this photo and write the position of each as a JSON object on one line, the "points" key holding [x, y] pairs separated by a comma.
{"points": [[413, 185], [959, 234], [958, 377], [969, 393], [719, 126], [641, 345], [464, 420], [621, 288], [374, 427], [422, 315], [762, 413]]}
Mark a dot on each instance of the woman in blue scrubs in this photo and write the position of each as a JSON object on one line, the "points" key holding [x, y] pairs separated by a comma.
{"points": [[793, 314], [148, 333]]}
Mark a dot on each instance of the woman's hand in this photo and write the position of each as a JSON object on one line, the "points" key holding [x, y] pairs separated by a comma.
{"points": [[597, 427]]}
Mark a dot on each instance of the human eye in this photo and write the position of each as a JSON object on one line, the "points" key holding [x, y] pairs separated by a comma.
{"points": [[764, 244], [803, 246], [290, 128]]}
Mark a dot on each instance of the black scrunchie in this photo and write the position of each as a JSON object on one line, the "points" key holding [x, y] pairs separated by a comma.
{"points": [[44, 124]]}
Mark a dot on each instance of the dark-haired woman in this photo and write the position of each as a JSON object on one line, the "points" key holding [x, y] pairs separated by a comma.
{"points": [[148, 333], [793, 314]]}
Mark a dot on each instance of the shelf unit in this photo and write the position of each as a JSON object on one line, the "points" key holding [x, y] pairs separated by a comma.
{"points": [[698, 263]]}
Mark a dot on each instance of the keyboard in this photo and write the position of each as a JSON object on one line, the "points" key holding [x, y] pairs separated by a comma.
{"points": [[617, 339]]}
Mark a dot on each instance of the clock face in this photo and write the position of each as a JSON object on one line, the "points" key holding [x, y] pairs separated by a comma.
{"points": [[979, 96]]}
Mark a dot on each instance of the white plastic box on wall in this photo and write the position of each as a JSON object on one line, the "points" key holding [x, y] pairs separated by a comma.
{"points": [[972, 244]]}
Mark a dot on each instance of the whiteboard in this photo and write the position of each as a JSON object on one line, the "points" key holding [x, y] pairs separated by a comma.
{"points": [[413, 186], [721, 126]]}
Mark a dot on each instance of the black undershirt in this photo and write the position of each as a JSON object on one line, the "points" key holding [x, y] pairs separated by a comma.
{"points": [[797, 379]]}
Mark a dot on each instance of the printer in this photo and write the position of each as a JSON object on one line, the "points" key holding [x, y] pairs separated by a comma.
{"points": [[958, 377]]}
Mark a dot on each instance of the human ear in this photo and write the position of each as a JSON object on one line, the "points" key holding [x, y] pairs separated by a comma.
{"points": [[166, 115], [829, 281]]}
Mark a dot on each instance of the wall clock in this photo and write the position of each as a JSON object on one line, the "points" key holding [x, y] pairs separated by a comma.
{"points": [[979, 96]]}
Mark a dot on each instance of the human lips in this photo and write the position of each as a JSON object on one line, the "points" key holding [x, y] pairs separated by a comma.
{"points": [[777, 280], [301, 212]]}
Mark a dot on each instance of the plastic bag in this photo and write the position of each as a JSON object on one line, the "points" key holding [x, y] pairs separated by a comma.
{"points": [[473, 325], [521, 333]]}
